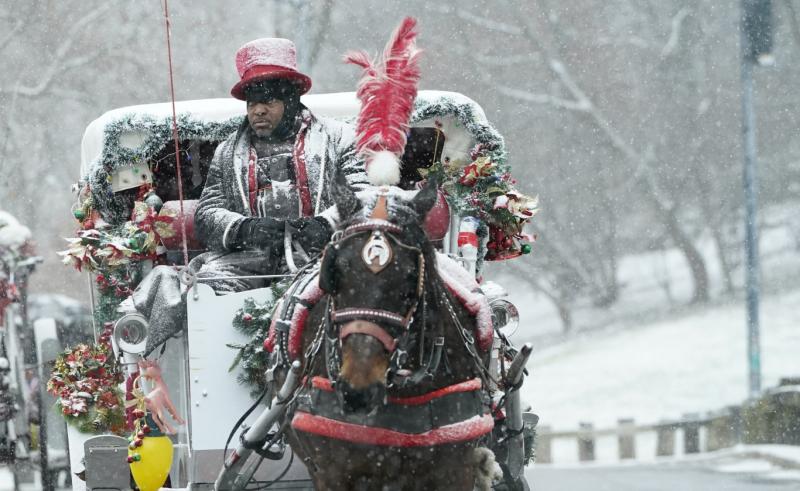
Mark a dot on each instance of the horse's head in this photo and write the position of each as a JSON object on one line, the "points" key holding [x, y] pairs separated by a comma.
{"points": [[375, 274]]}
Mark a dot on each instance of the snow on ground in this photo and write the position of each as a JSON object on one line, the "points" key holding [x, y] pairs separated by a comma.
{"points": [[694, 363]]}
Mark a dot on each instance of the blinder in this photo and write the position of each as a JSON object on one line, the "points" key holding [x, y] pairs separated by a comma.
{"points": [[327, 270]]}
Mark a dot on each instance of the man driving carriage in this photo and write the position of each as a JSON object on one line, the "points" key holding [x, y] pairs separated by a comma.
{"points": [[266, 202], [266, 205]]}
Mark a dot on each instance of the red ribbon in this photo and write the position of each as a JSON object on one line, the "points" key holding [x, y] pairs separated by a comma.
{"points": [[467, 238]]}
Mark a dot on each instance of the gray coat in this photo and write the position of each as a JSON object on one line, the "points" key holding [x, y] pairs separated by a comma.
{"points": [[329, 147]]}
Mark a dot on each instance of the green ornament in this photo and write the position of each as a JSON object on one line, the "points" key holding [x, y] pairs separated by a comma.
{"points": [[526, 248], [79, 214]]}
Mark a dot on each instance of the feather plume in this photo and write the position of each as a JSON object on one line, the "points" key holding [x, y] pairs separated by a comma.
{"points": [[387, 90]]}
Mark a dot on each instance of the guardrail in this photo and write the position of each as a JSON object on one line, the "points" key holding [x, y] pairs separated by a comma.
{"points": [[772, 418]]}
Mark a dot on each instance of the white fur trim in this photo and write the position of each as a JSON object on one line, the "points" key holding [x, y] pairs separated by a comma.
{"points": [[241, 157], [383, 168], [321, 182], [225, 234], [331, 214]]}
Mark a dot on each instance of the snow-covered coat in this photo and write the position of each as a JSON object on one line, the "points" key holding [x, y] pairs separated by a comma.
{"points": [[328, 147]]}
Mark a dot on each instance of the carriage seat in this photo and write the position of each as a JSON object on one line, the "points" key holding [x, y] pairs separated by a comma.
{"points": [[174, 244]]}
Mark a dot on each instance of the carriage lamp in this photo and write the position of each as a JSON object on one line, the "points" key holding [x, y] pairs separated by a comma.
{"points": [[505, 316], [130, 333]]}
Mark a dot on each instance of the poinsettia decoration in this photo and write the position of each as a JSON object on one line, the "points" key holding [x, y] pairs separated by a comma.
{"points": [[485, 190], [101, 249], [85, 380]]}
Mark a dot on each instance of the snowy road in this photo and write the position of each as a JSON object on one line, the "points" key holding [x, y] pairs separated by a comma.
{"points": [[742, 476]]}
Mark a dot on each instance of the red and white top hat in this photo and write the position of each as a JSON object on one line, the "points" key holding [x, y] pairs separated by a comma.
{"points": [[268, 59]]}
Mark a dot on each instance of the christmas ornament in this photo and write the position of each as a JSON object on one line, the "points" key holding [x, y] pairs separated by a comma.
{"points": [[149, 452], [85, 380], [154, 201], [484, 190], [157, 401]]}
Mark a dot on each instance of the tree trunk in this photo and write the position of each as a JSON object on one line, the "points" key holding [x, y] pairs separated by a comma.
{"points": [[693, 257], [566, 317], [724, 264], [562, 304]]}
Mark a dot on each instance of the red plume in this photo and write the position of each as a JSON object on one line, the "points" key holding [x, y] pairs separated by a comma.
{"points": [[387, 90]]}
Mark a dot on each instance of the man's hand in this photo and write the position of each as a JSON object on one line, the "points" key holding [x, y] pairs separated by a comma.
{"points": [[261, 233], [312, 233]]}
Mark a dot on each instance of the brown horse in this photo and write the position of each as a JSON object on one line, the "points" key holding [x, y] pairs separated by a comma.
{"points": [[393, 396]]}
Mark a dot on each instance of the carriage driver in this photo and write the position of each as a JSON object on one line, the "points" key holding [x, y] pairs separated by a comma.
{"points": [[268, 180]]}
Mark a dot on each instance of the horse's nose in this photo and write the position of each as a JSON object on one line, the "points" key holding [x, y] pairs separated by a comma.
{"points": [[360, 400]]}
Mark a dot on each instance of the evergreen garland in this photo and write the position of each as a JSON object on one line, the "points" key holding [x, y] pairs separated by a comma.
{"points": [[156, 133], [253, 320], [465, 112]]}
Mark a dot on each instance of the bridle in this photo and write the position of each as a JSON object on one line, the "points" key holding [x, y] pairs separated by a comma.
{"points": [[391, 328]]}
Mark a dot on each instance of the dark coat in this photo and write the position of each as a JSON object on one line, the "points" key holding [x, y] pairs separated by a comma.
{"points": [[329, 147]]}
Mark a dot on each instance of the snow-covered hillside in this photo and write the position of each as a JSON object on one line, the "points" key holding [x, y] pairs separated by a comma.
{"points": [[693, 363]]}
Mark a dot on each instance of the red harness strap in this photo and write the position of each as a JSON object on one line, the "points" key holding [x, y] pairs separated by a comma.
{"points": [[463, 431], [323, 383], [460, 431]]}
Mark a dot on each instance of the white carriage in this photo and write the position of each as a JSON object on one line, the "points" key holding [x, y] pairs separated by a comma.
{"points": [[445, 128]]}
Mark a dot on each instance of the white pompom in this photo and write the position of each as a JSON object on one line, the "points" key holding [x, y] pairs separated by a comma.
{"points": [[383, 169]]}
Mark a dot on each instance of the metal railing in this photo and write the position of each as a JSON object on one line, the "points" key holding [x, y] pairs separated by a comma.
{"points": [[774, 417]]}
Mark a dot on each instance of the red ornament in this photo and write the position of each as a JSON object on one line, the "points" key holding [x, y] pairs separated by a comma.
{"points": [[146, 429], [247, 318]]}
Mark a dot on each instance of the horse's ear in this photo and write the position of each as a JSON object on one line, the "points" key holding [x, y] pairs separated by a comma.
{"points": [[426, 198], [346, 201]]}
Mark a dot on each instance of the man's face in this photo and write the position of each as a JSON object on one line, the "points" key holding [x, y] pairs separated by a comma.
{"points": [[264, 115]]}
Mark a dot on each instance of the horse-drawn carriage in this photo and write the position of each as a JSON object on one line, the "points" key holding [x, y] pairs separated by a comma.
{"points": [[278, 350], [32, 438]]}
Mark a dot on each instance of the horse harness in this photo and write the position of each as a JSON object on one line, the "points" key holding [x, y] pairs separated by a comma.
{"points": [[396, 336], [433, 418]]}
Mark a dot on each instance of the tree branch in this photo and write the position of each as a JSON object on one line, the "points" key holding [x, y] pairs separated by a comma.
{"points": [[675, 32], [10, 34], [641, 161], [58, 65], [527, 96], [487, 23], [794, 21], [323, 23]]}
